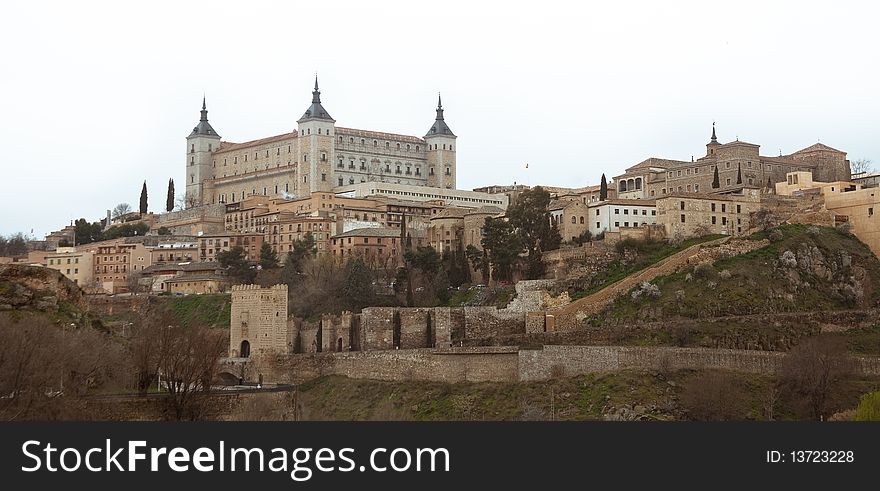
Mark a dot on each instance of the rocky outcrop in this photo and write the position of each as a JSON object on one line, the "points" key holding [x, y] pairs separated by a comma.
{"points": [[38, 289]]}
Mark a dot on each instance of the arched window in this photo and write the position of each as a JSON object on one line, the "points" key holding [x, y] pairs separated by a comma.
{"points": [[573, 220], [245, 349]]}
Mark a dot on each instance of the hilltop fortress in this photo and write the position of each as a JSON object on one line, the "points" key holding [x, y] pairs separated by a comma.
{"points": [[318, 156]]}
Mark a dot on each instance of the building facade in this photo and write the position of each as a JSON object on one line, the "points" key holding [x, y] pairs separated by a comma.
{"points": [[318, 156], [612, 215], [737, 164], [688, 215], [75, 265]]}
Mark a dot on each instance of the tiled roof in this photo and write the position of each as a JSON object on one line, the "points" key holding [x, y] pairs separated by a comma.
{"points": [[451, 213], [230, 146], [377, 135], [187, 266], [485, 210], [626, 202], [817, 147]]}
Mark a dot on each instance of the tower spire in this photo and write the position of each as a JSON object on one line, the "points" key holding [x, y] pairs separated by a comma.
{"points": [[204, 110], [316, 94], [439, 108], [204, 128], [714, 138]]}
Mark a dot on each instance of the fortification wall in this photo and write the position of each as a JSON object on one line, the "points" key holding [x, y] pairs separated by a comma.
{"points": [[451, 365]]}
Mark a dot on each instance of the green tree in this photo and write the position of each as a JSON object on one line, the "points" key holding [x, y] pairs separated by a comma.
{"points": [[716, 181], [441, 285], [268, 257], [357, 288], [479, 260], [85, 232], [143, 207], [425, 258], [125, 230], [531, 221], [163, 231], [739, 174], [603, 189], [503, 247], [236, 265], [169, 200]]}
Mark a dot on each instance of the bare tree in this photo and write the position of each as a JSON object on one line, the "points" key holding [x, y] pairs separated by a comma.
{"points": [[861, 166], [47, 368], [188, 363], [121, 209], [184, 201], [764, 219], [714, 396], [813, 369]]}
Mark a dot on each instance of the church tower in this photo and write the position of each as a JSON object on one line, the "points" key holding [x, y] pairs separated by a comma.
{"points": [[200, 145], [441, 152], [713, 143], [315, 133]]}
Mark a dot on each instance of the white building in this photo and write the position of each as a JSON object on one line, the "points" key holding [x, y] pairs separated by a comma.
{"points": [[611, 215]]}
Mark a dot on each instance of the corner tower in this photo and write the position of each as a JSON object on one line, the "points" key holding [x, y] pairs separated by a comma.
{"points": [[315, 132], [200, 145], [441, 152]]}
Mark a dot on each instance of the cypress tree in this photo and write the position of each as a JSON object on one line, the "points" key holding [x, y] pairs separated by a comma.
{"points": [[144, 199], [169, 201], [603, 189], [739, 174], [716, 181]]}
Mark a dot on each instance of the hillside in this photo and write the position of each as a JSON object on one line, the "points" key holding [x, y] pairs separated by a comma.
{"points": [[42, 291], [804, 268], [623, 395]]}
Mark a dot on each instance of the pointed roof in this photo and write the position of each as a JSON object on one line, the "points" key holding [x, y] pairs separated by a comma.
{"points": [[203, 128], [714, 139], [817, 147], [439, 128], [316, 110]]}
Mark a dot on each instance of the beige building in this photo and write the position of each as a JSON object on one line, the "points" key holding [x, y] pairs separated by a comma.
{"points": [[75, 265], [114, 262], [174, 252], [688, 215], [378, 247], [861, 208], [801, 182], [318, 156], [448, 197], [571, 217], [738, 164], [210, 246], [473, 223], [195, 284], [258, 325]]}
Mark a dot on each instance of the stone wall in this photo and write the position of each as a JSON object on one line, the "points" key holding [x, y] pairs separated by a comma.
{"points": [[449, 365]]}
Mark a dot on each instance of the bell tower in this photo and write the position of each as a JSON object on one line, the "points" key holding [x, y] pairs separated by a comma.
{"points": [[200, 146], [315, 133], [441, 152]]}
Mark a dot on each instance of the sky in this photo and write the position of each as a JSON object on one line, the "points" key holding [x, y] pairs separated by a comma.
{"points": [[98, 97]]}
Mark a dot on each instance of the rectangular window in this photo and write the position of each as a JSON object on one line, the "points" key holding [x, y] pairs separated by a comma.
{"points": [[681, 204], [682, 218]]}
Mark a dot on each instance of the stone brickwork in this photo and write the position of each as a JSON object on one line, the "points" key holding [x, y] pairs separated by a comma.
{"points": [[377, 325], [335, 332], [258, 324], [450, 365], [416, 328]]}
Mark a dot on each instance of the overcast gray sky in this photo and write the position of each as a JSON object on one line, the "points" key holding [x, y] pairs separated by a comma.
{"points": [[95, 97]]}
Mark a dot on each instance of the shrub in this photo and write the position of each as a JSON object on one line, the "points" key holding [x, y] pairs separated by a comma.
{"points": [[704, 271], [725, 274], [788, 259], [647, 290], [869, 407], [775, 235], [714, 396]]}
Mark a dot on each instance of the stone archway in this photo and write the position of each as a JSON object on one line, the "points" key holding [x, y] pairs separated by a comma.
{"points": [[245, 349]]}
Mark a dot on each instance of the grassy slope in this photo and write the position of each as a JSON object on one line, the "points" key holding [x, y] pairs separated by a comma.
{"points": [[649, 253], [205, 310], [576, 398], [755, 285]]}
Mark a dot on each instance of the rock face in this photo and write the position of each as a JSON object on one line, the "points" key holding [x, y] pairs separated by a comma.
{"points": [[36, 288]]}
